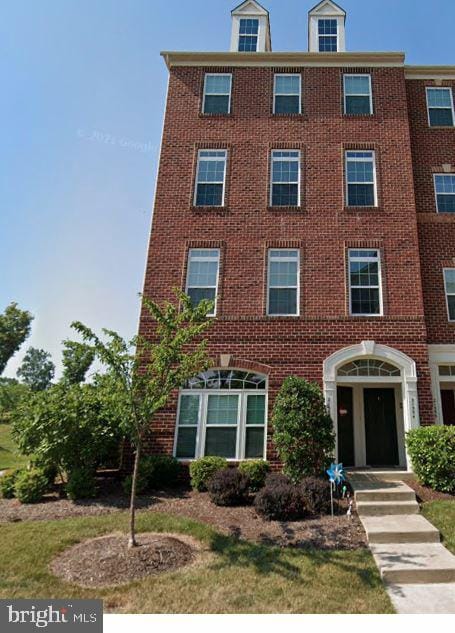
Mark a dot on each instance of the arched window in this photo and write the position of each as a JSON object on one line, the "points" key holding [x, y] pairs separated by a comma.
{"points": [[368, 367], [222, 412]]}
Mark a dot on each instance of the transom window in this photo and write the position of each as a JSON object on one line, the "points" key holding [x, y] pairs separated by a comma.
{"points": [[447, 370], [328, 36], [285, 173], [357, 94], [283, 282], [365, 295], [368, 367], [449, 284], [202, 276], [217, 94], [223, 413], [287, 94], [440, 107], [248, 35], [444, 185], [361, 179], [210, 178]]}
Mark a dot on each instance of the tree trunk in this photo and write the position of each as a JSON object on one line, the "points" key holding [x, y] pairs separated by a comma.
{"points": [[132, 538]]}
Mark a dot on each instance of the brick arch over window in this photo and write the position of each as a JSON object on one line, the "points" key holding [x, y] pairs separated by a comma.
{"points": [[226, 361]]}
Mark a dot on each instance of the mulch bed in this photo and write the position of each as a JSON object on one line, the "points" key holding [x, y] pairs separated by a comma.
{"points": [[107, 561], [325, 532], [424, 493]]}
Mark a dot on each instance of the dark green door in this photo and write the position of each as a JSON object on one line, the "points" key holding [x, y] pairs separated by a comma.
{"points": [[345, 426], [380, 427]]}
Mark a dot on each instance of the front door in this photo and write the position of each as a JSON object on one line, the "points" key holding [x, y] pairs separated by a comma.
{"points": [[380, 427], [448, 406], [345, 426]]}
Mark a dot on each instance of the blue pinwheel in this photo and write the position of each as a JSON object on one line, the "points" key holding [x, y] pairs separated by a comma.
{"points": [[336, 473]]}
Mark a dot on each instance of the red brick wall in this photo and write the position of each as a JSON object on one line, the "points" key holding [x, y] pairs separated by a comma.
{"points": [[323, 228], [431, 149]]}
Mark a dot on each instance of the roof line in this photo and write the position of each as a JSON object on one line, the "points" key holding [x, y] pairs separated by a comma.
{"points": [[245, 1]]}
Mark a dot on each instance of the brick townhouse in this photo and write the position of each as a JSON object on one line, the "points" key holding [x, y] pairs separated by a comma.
{"points": [[313, 195]]}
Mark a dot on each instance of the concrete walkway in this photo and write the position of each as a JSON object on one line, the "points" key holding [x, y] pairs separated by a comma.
{"points": [[418, 571]]}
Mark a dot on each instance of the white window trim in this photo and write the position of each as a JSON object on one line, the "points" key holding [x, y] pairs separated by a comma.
{"points": [[353, 94], [441, 194], [204, 259], [210, 158], [320, 35], [219, 94], [347, 183], [299, 175], [370, 259], [297, 250], [284, 94], [241, 421], [447, 294], [427, 90], [246, 35]]}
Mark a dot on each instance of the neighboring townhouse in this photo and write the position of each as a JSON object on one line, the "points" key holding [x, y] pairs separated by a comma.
{"points": [[312, 195]]}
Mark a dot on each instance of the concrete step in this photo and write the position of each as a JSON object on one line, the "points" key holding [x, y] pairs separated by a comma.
{"points": [[408, 563], [437, 598], [412, 528], [381, 508], [385, 495]]}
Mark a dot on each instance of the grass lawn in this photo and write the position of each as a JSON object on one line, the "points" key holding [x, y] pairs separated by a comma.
{"points": [[9, 458], [239, 577], [442, 515]]}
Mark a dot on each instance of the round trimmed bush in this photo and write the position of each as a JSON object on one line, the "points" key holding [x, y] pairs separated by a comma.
{"points": [[203, 469], [229, 487], [315, 494], [432, 452], [276, 479], [155, 471], [282, 502], [30, 486], [7, 483], [80, 484], [256, 470]]}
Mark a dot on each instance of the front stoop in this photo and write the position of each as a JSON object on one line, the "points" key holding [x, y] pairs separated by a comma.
{"points": [[405, 546]]}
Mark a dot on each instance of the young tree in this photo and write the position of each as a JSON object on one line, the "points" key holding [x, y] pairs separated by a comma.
{"points": [[11, 395], [147, 372], [77, 358], [15, 327], [37, 369], [302, 429]]}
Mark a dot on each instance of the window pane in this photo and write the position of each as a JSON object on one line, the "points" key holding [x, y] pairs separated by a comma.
{"points": [[365, 301], [446, 203], [248, 44], [287, 104], [358, 105], [211, 170], [357, 85], [222, 409], [217, 84], [327, 44], [361, 195], [445, 184], [216, 104], [441, 117], [449, 276], [254, 443], [189, 410], [327, 27], [283, 301], [283, 273], [186, 443], [198, 294], [360, 171], [287, 84], [285, 195], [364, 273], [203, 273], [255, 411], [451, 303], [439, 98], [221, 442], [209, 195], [249, 26]]}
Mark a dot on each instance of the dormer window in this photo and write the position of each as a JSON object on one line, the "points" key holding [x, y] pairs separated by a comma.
{"points": [[248, 35], [328, 36]]}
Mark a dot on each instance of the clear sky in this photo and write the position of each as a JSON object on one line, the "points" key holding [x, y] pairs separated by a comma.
{"points": [[83, 89]]}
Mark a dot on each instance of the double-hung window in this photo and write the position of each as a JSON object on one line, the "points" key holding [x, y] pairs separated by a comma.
{"points": [[287, 94], [444, 186], [202, 275], [361, 179], [440, 107], [328, 36], [283, 282], [222, 413], [365, 296], [285, 174], [248, 35], [217, 94], [449, 285], [357, 94], [210, 178]]}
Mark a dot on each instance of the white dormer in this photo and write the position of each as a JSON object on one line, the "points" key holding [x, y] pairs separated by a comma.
{"points": [[250, 28], [326, 28]]}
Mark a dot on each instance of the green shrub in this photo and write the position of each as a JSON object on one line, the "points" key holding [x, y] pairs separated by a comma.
{"points": [[155, 471], [302, 429], [228, 487], [282, 502], [203, 469], [432, 452], [7, 483], [256, 470], [30, 486], [80, 484], [315, 495]]}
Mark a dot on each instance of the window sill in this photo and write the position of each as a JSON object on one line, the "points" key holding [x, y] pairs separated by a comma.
{"points": [[290, 115], [366, 117], [285, 209], [361, 209], [218, 210], [441, 127], [215, 115]]}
